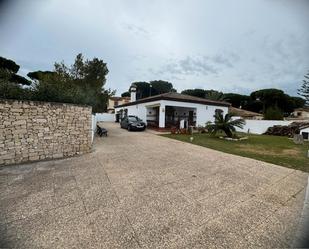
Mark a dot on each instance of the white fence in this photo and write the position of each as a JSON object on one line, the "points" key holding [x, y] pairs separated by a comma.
{"points": [[107, 117], [260, 126]]}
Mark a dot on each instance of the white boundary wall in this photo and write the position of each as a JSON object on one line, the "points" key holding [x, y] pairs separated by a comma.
{"points": [[99, 117], [260, 126], [107, 117]]}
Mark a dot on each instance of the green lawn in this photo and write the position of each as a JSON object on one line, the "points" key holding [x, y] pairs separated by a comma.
{"points": [[272, 149]]}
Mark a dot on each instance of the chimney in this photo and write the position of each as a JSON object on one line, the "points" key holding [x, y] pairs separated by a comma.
{"points": [[133, 92]]}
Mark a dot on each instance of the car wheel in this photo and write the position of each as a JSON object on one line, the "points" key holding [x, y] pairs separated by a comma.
{"points": [[129, 128]]}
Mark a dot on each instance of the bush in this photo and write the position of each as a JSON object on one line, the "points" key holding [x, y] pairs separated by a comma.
{"points": [[10, 90], [273, 113]]}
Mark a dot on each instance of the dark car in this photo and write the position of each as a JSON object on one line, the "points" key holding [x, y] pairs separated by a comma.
{"points": [[132, 123]]}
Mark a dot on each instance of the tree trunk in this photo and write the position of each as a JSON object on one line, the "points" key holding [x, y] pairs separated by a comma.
{"points": [[228, 132]]}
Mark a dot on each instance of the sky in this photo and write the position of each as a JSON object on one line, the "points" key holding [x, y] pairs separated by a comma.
{"points": [[231, 46]]}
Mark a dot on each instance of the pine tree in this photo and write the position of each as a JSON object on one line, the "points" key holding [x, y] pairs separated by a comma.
{"points": [[304, 89]]}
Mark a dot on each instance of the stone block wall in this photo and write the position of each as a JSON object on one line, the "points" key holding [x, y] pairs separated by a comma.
{"points": [[31, 131]]}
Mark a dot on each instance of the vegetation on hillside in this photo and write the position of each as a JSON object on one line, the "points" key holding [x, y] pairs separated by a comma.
{"points": [[258, 101], [81, 83]]}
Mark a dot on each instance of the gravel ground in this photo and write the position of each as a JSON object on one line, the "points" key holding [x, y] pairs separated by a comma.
{"points": [[140, 190]]}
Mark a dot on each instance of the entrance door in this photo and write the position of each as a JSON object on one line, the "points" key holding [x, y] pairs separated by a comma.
{"points": [[190, 117]]}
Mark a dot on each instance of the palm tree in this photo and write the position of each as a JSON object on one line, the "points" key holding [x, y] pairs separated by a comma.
{"points": [[226, 124]]}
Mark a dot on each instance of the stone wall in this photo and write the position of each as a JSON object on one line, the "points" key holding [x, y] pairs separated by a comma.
{"points": [[31, 131]]}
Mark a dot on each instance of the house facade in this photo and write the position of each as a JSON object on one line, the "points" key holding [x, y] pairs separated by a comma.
{"points": [[300, 113], [172, 110], [115, 101]]}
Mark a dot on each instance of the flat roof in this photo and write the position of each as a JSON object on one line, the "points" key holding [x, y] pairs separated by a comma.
{"points": [[172, 96]]}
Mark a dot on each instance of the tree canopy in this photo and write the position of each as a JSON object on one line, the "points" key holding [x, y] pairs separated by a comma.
{"points": [[161, 86], [39, 75], [202, 93], [276, 98], [273, 113], [126, 94], [197, 92], [8, 71], [237, 100], [81, 83], [8, 65], [145, 89], [258, 101]]}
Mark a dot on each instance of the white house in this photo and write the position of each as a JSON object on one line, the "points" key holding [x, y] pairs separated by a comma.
{"points": [[169, 109], [300, 113]]}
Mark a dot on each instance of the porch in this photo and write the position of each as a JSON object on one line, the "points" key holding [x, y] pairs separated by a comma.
{"points": [[166, 117]]}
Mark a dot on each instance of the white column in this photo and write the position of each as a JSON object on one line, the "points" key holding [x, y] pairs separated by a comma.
{"points": [[162, 116], [199, 117], [133, 96]]}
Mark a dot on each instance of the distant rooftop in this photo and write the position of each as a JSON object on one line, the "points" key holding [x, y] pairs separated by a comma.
{"points": [[243, 113]]}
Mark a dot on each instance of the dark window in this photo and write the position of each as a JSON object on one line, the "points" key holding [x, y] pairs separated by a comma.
{"points": [[305, 135]]}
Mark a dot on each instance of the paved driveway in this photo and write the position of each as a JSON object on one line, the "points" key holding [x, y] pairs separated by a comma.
{"points": [[140, 190]]}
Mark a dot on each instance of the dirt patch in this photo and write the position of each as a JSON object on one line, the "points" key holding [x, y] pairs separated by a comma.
{"points": [[291, 152], [263, 151]]}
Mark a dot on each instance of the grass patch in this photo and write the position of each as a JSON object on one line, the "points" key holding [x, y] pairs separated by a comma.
{"points": [[273, 149]]}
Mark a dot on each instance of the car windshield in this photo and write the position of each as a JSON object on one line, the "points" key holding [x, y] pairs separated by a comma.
{"points": [[133, 119]]}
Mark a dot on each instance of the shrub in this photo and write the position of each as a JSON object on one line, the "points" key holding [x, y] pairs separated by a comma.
{"points": [[273, 113]]}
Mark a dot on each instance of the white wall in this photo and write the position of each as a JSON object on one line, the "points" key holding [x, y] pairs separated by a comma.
{"points": [[98, 117], [304, 130], [203, 116], [260, 126], [107, 117], [138, 110]]}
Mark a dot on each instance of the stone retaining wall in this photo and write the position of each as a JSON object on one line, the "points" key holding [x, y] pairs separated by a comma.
{"points": [[31, 131]]}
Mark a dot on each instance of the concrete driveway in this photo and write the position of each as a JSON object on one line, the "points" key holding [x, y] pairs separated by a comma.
{"points": [[140, 190]]}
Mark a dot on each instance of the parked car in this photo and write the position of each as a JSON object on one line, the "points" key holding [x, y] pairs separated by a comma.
{"points": [[132, 123]]}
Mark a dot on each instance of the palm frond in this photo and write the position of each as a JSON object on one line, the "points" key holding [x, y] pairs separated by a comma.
{"points": [[238, 123]]}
